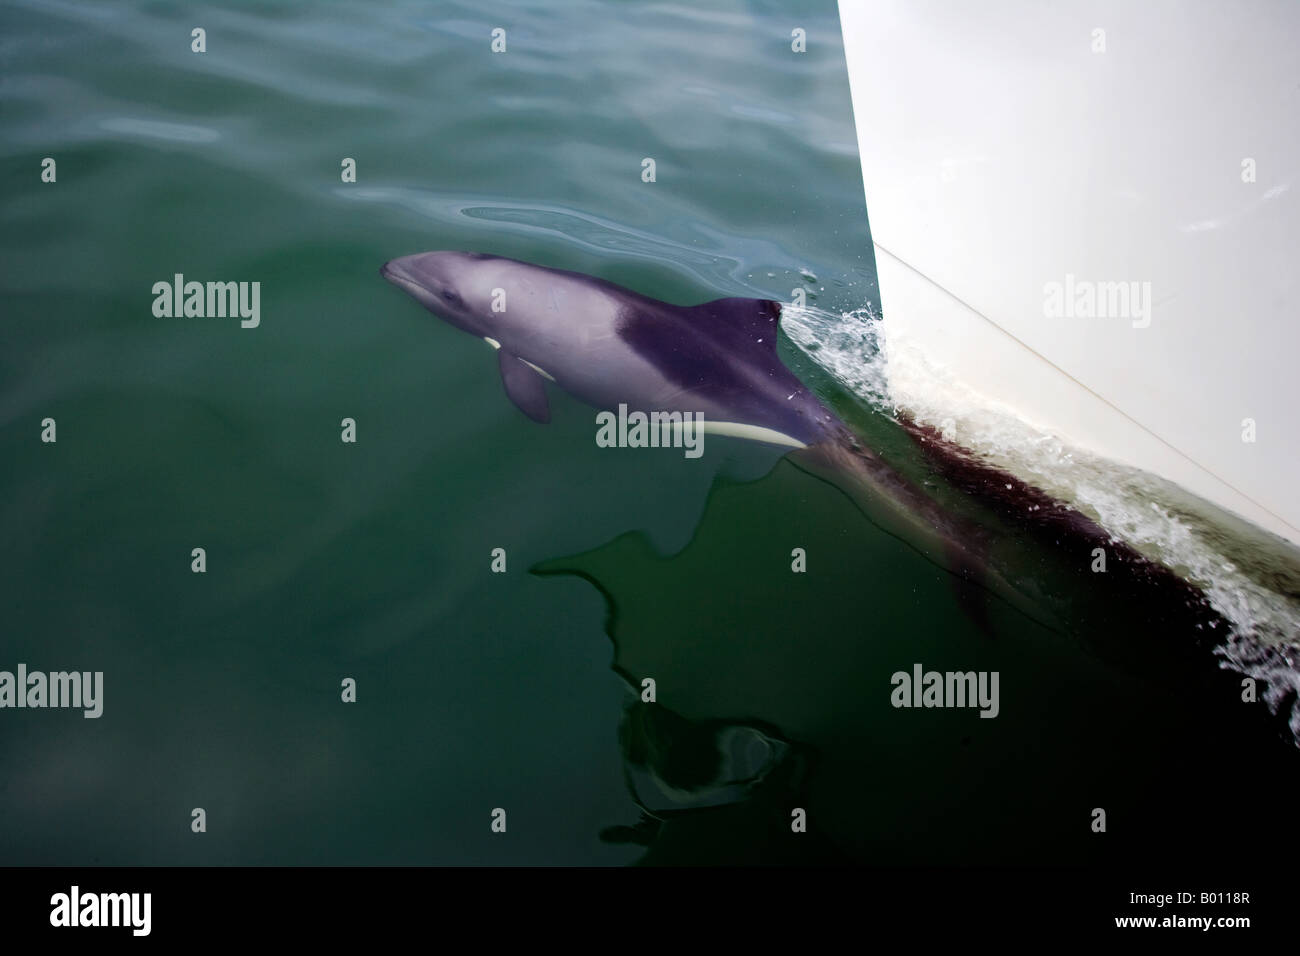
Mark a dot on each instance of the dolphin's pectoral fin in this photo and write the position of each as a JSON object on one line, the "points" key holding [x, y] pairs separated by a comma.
{"points": [[523, 383]]}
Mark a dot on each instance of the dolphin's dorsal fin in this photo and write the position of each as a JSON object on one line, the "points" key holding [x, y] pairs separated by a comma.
{"points": [[754, 318], [523, 383]]}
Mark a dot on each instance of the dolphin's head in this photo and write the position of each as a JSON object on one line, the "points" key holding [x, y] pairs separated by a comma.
{"points": [[447, 284]]}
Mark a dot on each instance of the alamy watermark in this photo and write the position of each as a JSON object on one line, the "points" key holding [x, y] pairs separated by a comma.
{"points": [[1085, 299], [922, 688], [211, 300], [76, 908], [653, 430], [71, 689]]}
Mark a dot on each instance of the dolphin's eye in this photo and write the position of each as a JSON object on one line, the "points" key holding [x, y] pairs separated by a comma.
{"points": [[451, 296]]}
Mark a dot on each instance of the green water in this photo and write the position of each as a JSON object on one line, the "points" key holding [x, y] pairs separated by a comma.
{"points": [[370, 560]]}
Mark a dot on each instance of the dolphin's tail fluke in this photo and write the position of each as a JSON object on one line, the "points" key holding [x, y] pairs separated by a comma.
{"points": [[898, 507]]}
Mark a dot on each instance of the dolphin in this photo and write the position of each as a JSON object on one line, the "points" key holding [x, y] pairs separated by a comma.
{"points": [[608, 346]]}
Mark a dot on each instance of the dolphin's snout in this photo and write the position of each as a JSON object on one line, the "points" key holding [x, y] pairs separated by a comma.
{"points": [[392, 270], [396, 272], [426, 269]]}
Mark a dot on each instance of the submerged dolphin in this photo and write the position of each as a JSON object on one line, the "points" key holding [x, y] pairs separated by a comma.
{"points": [[607, 345]]}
